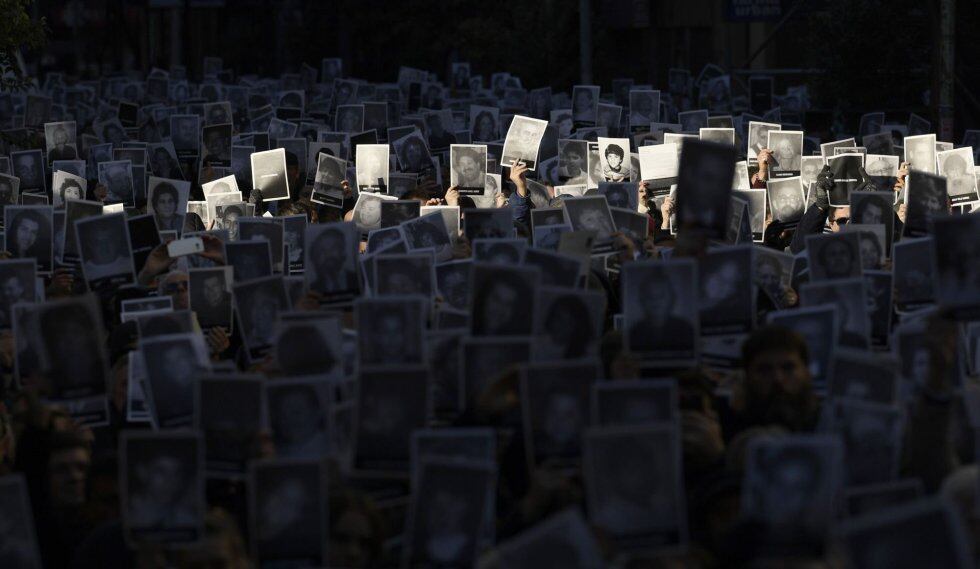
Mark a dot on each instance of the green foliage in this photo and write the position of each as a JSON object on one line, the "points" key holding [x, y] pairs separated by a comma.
{"points": [[17, 31]]}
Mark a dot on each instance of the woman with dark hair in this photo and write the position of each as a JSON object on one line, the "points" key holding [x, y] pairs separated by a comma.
{"points": [[484, 128], [164, 202], [70, 189], [29, 236], [164, 165], [413, 156]]}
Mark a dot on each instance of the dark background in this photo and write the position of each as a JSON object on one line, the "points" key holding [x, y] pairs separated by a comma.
{"points": [[855, 55]]}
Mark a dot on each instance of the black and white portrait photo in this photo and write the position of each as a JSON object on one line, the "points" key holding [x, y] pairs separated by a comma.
{"points": [[29, 234], [217, 145], [726, 300], [66, 186], [522, 142], [396, 212], [299, 416], [447, 513], [957, 254], [501, 300], [585, 104], [268, 230], [787, 201], [496, 222], [350, 118], [9, 190], [258, 303], [468, 167], [288, 511], [704, 183], [162, 486], [163, 161], [834, 256], [790, 485], [70, 356], [758, 138], [367, 211], [117, 177], [499, 250], [614, 154], [28, 166], [484, 123], [328, 182], [958, 167], [412, 153], [850, 299], [185, 133], [925, 198], [331, 259], [269, 174], [391, 402], [591, 213], [633, 484], [209, 291], [874, 208], [17, 284], [103, 244], [428, 232], [920, 152], [392, 330], [173, 363], [573, 162], [692, 121], [372, 167], [59, 140], [787, 151], [644, 105], [660, 309], [555, 406], [819, 327], [167, 201]]}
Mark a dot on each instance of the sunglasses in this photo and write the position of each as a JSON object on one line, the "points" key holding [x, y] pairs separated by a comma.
{"points": [[840, 220]]}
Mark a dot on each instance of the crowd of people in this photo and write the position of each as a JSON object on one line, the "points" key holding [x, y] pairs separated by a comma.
{"points": [[311, 320]]}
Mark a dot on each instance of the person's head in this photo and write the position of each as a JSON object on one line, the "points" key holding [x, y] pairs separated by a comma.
{"points": [[217, 143], [499, 300], [656, 297], [839, 217], [614, 156], [174, 285], [870, 211], [369, 212], [165, 200], [467, 165], [161, 477], [187, 130], [26, 167], [26, 228], [329, 250], [871, 253], [69, 457], [297, 415], [60, 136], [769, 273], [793, 477], [71, 189], [778, 386], [484, 127], [837, 258]]}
